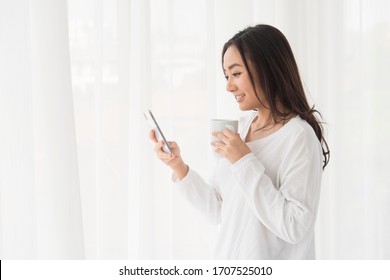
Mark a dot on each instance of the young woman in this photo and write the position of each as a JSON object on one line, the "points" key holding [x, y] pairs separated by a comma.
{"points": [[265, 190]]}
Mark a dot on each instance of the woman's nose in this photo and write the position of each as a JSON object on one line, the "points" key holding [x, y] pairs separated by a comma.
{"points": [[230, 86]]}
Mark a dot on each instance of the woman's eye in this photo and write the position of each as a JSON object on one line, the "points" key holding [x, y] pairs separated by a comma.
{"points": [[234, 75]]}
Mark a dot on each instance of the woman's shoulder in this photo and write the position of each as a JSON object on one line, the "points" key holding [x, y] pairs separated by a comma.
{"points": [[301, 127], [295, 130], [300, 133]]}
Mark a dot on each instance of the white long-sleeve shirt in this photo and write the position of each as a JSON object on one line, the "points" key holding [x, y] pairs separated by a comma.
{"points": [[266, 202]]}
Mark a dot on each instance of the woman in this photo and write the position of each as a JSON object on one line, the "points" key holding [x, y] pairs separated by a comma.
{"points": [[265, 190]]}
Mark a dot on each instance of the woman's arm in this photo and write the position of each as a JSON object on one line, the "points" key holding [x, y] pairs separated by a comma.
{"points": [[203, 196], [290, 210]]}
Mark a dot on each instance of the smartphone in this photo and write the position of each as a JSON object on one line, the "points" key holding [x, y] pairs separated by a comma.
{"points": [[159, 134]]}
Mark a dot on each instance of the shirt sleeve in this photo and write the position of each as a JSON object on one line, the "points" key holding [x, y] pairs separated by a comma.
{"points": [[288, 210], [204, 197]]}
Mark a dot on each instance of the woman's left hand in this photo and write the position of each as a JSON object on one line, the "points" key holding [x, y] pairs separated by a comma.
{"points": [[232, 146]]}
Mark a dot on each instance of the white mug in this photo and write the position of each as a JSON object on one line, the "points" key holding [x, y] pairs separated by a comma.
{"points": [[219, 125]]}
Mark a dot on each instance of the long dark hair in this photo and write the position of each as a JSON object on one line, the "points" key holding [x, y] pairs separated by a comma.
{"points": [[275, 68]]}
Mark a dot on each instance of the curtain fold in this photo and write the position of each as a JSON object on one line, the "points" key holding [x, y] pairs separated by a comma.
{"points": [[40, 193]]}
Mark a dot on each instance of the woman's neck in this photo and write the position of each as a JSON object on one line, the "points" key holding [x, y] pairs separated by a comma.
{"points": [[263, 119]]}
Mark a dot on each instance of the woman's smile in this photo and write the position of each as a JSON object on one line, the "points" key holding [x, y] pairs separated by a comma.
{"points": [[240, 97]]}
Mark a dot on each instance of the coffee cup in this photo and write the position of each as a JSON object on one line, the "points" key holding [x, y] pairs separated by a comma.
{"points": [[219, 125]]}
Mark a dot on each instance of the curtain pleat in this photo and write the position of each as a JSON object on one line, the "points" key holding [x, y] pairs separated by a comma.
{"points": [[40, 190]]}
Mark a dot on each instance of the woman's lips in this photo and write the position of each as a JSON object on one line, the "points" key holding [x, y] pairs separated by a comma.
{"points": [[240, 97]]}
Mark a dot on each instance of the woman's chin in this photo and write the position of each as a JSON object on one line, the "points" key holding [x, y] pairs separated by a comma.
{"points": [[244, 107]]}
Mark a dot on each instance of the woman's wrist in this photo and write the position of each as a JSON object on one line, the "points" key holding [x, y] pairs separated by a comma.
{"points": [[180, 169]]}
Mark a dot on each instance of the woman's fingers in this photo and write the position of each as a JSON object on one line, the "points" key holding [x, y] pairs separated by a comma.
{"points": [[220, 136], [152, 135], [227, 132], [158, 147], [160, 153], [170, 159], [218, 147], [172, 145]]}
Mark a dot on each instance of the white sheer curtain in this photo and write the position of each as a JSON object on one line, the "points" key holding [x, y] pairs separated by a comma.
{"points": [[39, 183], [127, 56]]}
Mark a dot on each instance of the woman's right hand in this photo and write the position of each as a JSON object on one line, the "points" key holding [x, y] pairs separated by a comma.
{"points": [[173, 160]]}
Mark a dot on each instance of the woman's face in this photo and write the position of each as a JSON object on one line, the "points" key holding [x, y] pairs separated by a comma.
{"points": [[238, 81]]}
